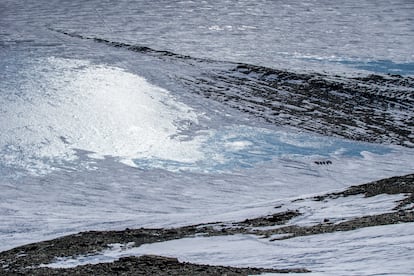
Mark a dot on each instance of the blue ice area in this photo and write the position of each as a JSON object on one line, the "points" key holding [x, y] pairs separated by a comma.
{"points": [[375, 66], [243, 147], [382, 66]]}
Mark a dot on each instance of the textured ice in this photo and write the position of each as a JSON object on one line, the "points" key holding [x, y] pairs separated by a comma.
{"points": [[272, 33], [60, 105], [93, 137]]}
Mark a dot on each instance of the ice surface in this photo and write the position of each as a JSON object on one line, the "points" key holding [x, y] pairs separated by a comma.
{"points": [[93, 137], [281, 34], [56, 106]]}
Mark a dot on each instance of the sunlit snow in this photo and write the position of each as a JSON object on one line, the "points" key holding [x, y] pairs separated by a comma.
{"points": [[61, 104]]}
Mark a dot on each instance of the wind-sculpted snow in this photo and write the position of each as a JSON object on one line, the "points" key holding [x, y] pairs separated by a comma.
{"points": [[372, 108]]}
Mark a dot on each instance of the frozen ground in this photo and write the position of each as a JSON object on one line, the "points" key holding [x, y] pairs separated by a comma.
{"points": [[95, 137]]}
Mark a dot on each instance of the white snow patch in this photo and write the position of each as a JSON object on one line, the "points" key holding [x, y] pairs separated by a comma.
{"points": [[109, 255], [342, 208], [238, 145]]}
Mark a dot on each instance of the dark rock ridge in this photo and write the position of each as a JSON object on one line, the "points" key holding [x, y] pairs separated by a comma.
{"points": [[25, 260], [153, 265], [373, 108], [393, 185]]}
